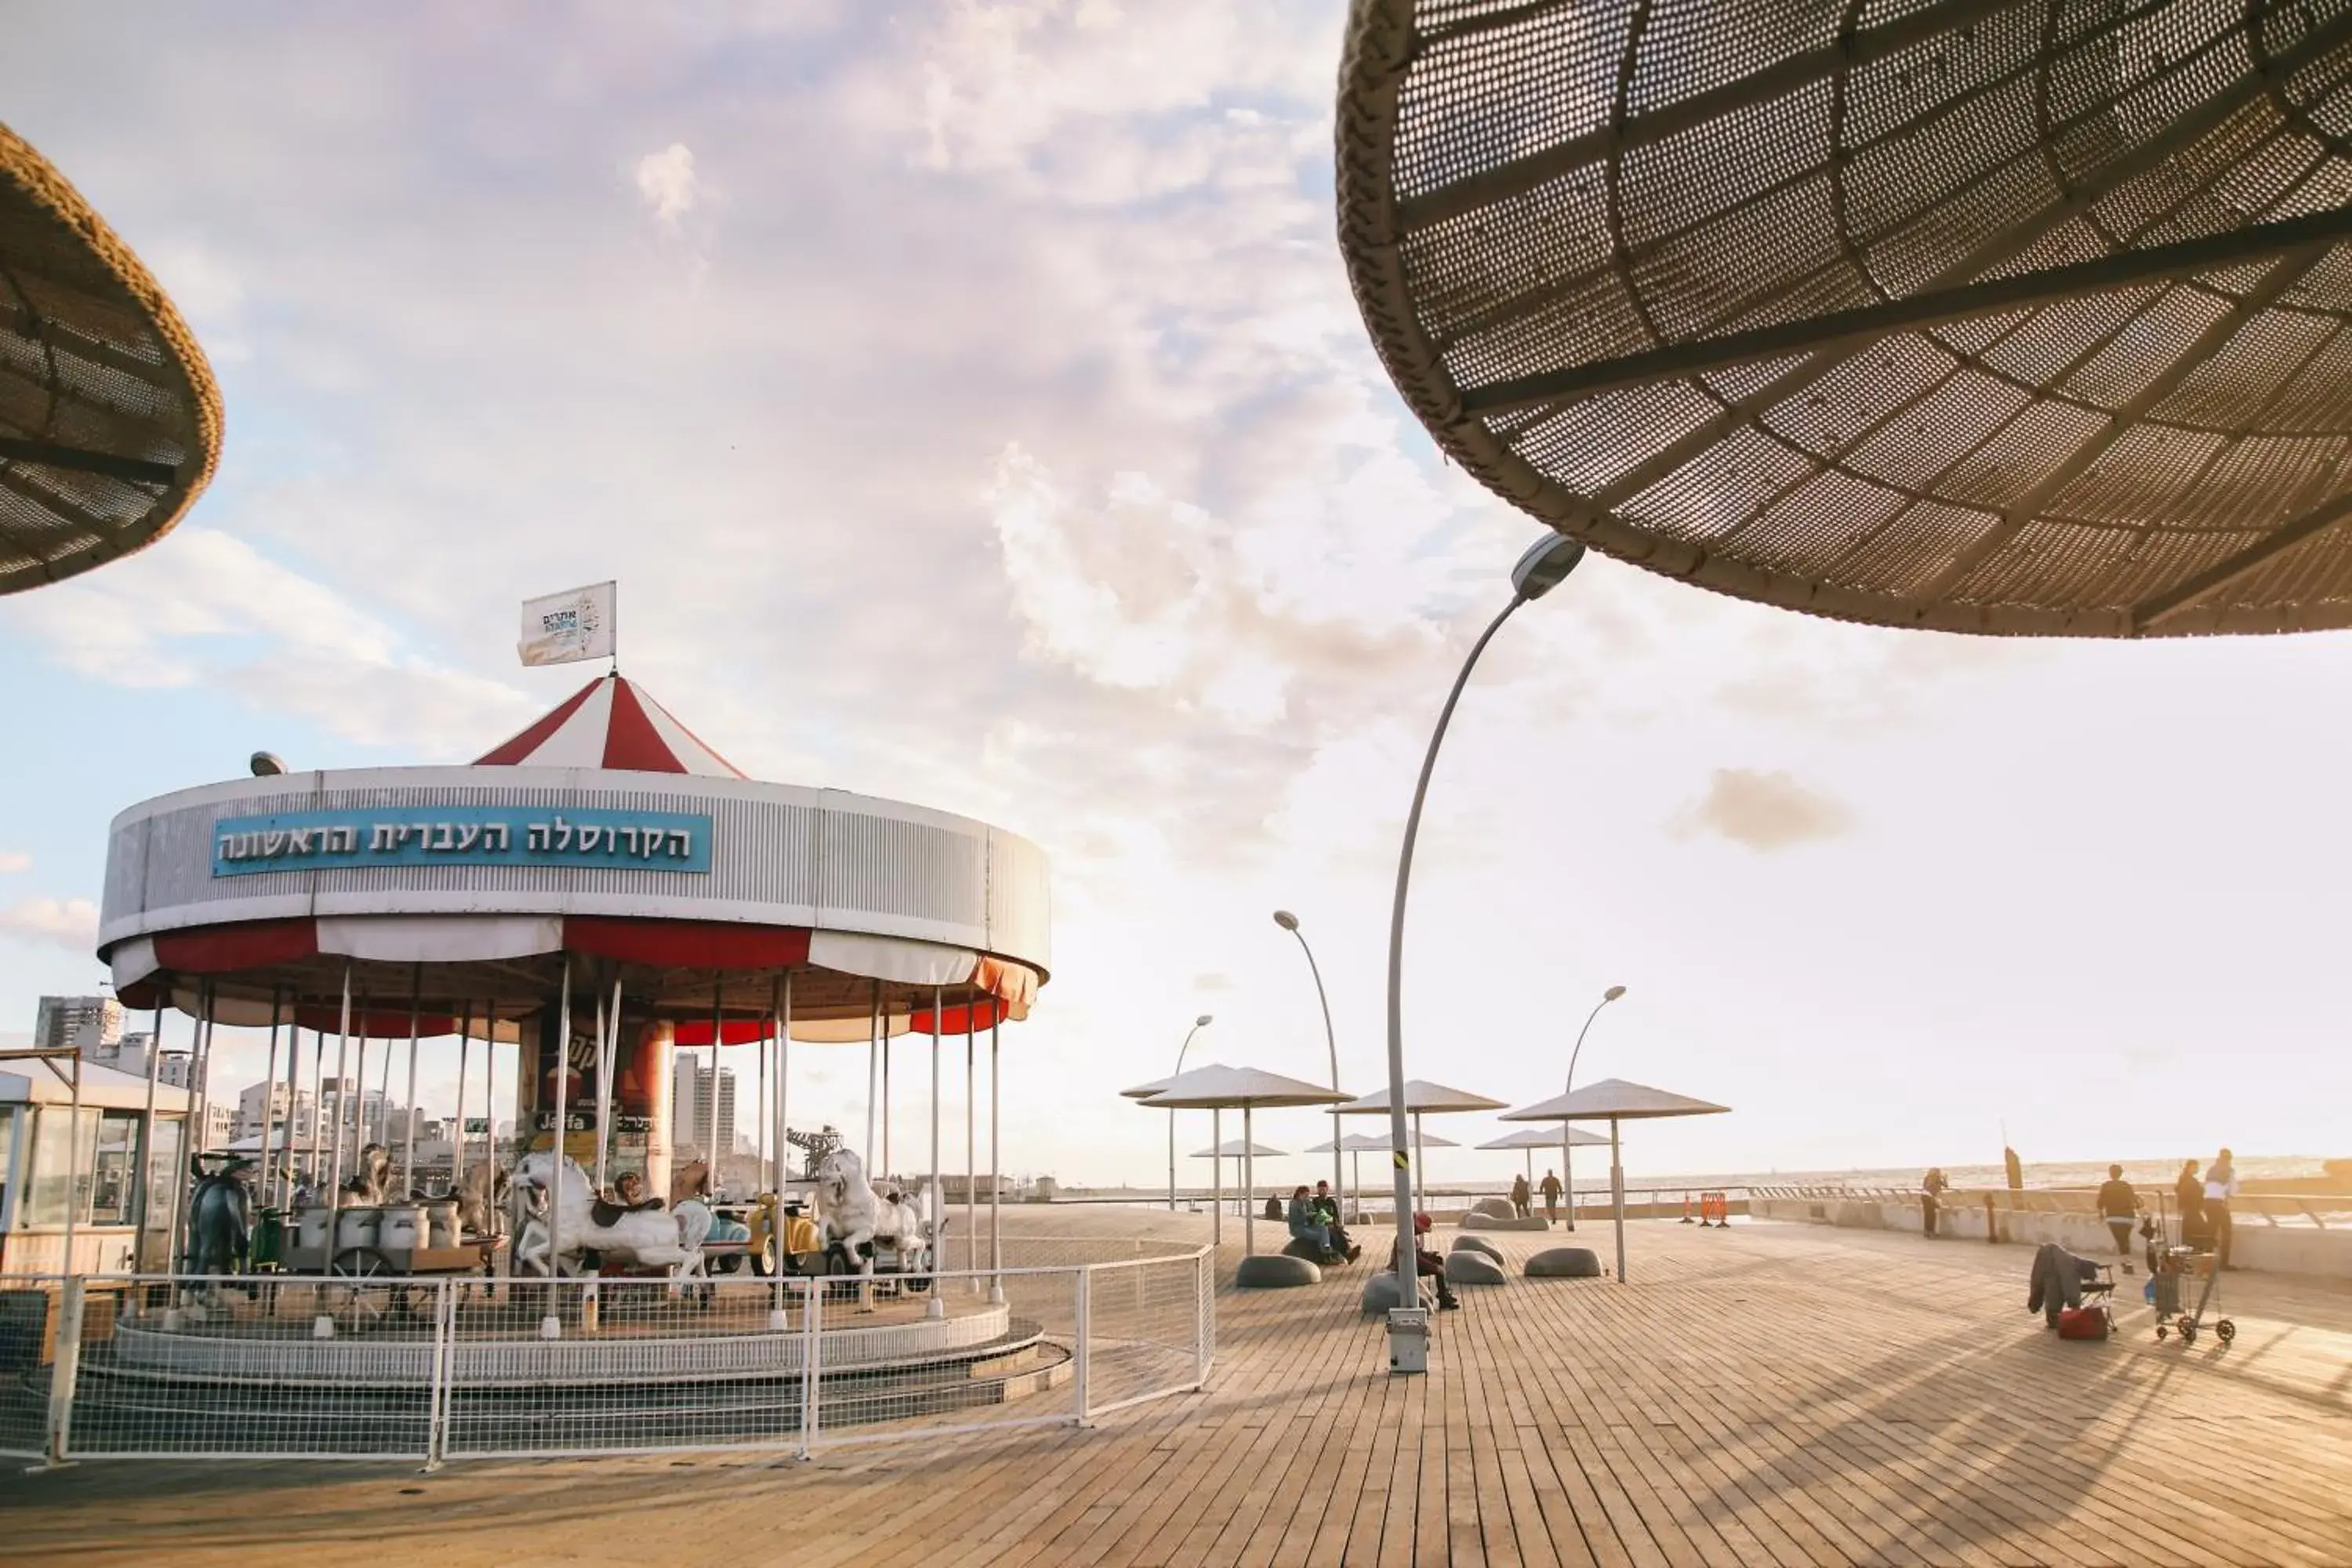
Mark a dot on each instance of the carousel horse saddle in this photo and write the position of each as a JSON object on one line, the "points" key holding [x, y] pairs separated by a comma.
{"points": [[608, 1214]]}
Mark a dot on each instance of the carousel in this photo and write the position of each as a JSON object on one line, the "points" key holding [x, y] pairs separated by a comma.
{"points": [[601, 899]]}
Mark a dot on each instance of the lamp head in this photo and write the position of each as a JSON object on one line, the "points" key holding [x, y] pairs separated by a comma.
{"points": [[1612, 993], [267, 764], [1203, 1021], [1546, 565], [1286, 920]]}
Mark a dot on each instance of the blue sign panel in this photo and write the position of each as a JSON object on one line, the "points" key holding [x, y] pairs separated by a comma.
{"points": [[462, 835]]}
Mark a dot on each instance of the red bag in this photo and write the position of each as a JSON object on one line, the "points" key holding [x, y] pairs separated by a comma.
{"points": [[2083, 1324]]}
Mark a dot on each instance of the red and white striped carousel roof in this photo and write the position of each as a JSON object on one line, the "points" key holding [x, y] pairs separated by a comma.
{"points": [[610, 723]]}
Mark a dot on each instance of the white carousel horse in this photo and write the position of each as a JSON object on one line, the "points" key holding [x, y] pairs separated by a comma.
{"points": [[371, 1185], [853, 1213], [650, 1238]]}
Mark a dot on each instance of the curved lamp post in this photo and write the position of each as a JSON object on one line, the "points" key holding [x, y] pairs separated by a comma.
{"points": [[1290, 922], [1544, 567], [1567, 1173], [1199, 1023]]}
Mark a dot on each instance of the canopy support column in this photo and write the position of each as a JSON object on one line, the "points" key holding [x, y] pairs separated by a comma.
{"points": [[457, 1171], [971, 1147], [873, 1062], [718, 1032], [143, 1193]]}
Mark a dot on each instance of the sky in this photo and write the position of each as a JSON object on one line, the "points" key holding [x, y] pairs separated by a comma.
{"points": [[970, 401]]}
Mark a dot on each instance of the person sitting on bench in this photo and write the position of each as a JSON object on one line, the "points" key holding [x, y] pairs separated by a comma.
{"points": [[1432, 1267], [1307, 1226], [1327, 1210]]}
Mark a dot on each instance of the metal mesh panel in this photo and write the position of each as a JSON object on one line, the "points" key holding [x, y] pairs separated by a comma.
{"points": [[1707, 285], [389, 1366]]}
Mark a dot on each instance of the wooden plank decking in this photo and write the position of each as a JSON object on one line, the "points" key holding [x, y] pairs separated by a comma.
{"points": [[1771, 1395]]}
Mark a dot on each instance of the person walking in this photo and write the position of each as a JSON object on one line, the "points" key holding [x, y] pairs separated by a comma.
{"points": [[2220, 1186], [2119, 1207], [1932, 1188], [1551, 1197], [1522, 1200]]}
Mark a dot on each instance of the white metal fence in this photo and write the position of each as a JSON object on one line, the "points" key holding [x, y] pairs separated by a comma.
{"points": [[455, 1367]]}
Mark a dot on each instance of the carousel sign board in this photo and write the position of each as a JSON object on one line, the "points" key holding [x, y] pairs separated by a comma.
{"points": [[370, 836]]}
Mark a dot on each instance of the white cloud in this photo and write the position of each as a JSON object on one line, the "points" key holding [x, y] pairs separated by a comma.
{"points": [[68, 922], [14, 861], [1763, 811], [667, 182]]}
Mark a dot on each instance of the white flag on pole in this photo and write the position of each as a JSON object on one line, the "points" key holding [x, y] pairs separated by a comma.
{"points": [[568, 626]]}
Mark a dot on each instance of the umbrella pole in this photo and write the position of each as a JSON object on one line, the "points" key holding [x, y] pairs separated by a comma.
{"points": [[1568, 1172], [1249, 1189], [1216, 1176], [1617, 1196], [1420, 1175]]}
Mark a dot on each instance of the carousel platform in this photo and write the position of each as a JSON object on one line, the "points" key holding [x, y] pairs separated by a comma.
{"points": [[638, 1333]]}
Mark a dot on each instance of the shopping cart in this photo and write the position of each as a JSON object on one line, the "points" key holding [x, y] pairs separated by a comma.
{"points": [[2175, 1266]]}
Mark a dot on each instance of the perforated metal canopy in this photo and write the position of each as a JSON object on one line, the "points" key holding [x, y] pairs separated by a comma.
{"points": [[110, 421], [2023, 318]]}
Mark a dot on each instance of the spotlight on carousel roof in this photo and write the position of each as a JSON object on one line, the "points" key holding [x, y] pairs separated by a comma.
{"points": [[110, 420], [2019, 319]]}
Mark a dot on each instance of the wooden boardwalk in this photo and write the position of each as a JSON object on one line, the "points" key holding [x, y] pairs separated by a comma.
{"points": [[1769, 1395]]}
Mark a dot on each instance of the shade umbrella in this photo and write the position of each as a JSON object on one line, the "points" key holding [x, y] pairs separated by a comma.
{"points": [[109, 419], [1420, 1098], [1145, 1091], [1223, 1088], [1233, 1149], [1613, 1101], [1531, 1139], [1354, 1146], [1771, 374]]}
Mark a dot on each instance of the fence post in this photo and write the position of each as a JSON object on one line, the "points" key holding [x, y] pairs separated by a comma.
{"points": [[1082, 1339], [64, 1363], [436, 1406], [812, 1309]]}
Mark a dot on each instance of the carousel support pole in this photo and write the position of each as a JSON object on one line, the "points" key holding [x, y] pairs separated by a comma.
{"points": [[886, 1105], [873, 1055], [193, 1138], [357, 1095], [145, 1192], [550, 1327], [408, 1142], [268, 1100], [603, 1092], [323, 1326], [457, 1131], [760, 1166], [933, 1200], [711, 1149], [383, 1102], [779, 1006], [318, 1109], [971, 1147], [995, 1173], [490, 1082]]}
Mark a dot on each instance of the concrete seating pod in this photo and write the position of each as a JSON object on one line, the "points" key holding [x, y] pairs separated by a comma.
{"points": [[1493, 1208], [1477, 1244], [1474, 1268], [1381, 1295], [1503, 1222], [1300, 1248], [1564, 1263], [1276, 1271]]}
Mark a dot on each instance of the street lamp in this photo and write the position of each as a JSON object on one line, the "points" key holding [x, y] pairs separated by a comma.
{"points": [[1567, 1169], [1290, 922], [1544, 567], [1199, 1023]]}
